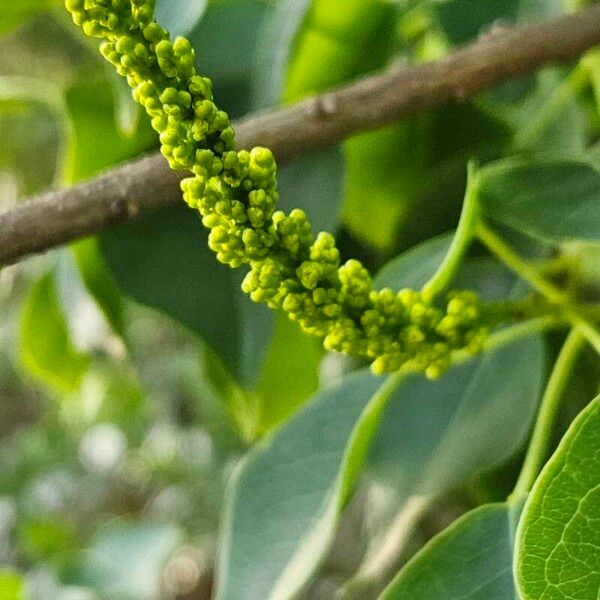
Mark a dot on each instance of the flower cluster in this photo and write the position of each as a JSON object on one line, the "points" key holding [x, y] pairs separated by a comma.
{"points": [[290, 269]]}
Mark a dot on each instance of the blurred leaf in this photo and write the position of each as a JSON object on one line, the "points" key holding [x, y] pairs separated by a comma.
{"points": [[163, 260], [179, 17], [91, 107], [383, 179], [315, 183], [225, 41], [32, 114], [309, 47], [558, 539], [43, 539], [337, 41], [282, 24], [125, 559], [127, 111], [13, 14], [549, 116], [46, 350], [289, 375], [12, 586], [413, 268], [470, 559], [100, 282], [541, 9], [464, 20], [554, 200]]}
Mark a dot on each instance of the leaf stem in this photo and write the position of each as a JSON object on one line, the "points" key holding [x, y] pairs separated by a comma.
{"points": [[463, 237], [542, 432], [510, 258], [530, 274]]}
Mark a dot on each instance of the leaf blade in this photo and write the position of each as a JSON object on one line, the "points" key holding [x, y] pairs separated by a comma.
{"points": [[558, 546], [470, 559]]}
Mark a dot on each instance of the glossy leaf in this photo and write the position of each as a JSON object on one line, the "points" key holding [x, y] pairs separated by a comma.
{"points": [[179, 17], [470, 559], [558, 540], [549, 200], [46, 349]]}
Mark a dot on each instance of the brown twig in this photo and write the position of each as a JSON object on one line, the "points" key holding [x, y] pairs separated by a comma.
{"points": [[58, 217]]}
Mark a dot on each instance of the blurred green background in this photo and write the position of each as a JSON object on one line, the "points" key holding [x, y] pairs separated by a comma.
{"points": [[133, 372]]}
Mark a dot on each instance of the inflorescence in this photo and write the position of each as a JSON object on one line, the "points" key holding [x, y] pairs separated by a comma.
{"points": [[290, 268]]}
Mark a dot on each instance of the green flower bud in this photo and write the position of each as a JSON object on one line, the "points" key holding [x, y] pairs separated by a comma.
{"points": [[236, 195]]}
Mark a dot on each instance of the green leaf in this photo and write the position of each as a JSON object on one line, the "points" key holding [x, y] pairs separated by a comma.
{"points": [[225, 41], [127, 111], [281, 26], [413, 268], [308, 47], [12, 586], [381, 181], [125, 559], [46, 350], [42, 539], [441, 434], [162, 260], [554, 200], [464, 20], [100, 283], [13, 14], [180, 17], [298, 36], [558, 539], [91, 106], [470, 559], [287, 496], [308, 468], [290, 373], [550, 115]]}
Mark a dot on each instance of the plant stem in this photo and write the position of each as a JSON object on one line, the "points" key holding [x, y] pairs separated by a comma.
{"points": [[542, 432], [463, 237], [510, 258], [498, 247]]}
